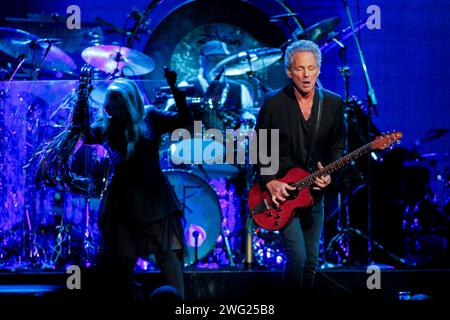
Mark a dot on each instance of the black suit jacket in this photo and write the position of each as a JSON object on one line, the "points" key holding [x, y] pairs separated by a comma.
{"points": [[280, 110]]}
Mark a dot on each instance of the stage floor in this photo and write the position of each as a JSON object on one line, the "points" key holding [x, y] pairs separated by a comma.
{"points": [[244, 285]]}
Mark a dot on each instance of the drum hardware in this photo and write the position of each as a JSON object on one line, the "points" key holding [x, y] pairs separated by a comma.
{"points": [[139, 21], [318, 31], [431, 135], [352, 231], [372, 102], [343, 220], [21, 60], [40, 53], [248, 61], [117, 60], [210, 213], [188, 89], [289, 14], [335, 39], [196, 234], [283, 17], [202, 213]]}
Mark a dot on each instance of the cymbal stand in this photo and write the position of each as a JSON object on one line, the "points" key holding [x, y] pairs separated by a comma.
{"points": [[294, 16], [38, 69], [343, 217], [21, 58], [261, 89], [372, 103], [117, 60]]}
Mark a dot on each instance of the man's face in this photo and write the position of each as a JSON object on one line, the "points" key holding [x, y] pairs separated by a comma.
{"points": [[209, 62], [303, 71]]}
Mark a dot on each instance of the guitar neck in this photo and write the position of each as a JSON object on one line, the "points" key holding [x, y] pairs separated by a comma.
{"points": [[332, 167]]}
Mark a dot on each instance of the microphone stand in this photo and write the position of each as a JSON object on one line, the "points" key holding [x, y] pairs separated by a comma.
{"points": [[372, 103], [370, 91]]}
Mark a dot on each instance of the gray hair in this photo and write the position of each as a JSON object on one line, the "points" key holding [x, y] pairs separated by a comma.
{"points": [[302, 46]]}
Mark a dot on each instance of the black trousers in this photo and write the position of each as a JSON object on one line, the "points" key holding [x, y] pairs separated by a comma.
{"points": [[301, 243]]}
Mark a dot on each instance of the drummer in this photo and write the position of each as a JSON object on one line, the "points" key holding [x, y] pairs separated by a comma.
{"points": [[224, 99]]}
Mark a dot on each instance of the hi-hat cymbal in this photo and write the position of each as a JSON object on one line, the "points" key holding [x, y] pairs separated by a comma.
{"points": [[318, 31], [15, 43], [247, 61], [113, 59]]}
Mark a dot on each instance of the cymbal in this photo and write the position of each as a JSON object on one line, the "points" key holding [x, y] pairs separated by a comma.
{"points": [[342, 35], [112, 59], [430, 160], [15, 42], [250, 60], [284, 16], [434, 134], [318, 31]]}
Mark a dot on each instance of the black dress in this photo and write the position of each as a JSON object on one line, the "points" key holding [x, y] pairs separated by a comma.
{"points": [[140, 213]]}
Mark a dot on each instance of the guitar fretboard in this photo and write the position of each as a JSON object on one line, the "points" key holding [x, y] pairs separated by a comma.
{"points": [[332, 167]]}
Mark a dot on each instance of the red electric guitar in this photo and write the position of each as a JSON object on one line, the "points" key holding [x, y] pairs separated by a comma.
{"points": [[270, 217]]}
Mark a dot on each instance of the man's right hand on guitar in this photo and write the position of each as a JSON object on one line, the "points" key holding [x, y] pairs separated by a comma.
{"points": [[278, 191]]}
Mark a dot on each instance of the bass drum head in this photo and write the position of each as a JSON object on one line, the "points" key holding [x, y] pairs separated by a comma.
{"points": [[202, 212]]}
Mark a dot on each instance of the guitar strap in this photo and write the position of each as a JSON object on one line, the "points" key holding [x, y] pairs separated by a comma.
{"points": [[313, 141]]}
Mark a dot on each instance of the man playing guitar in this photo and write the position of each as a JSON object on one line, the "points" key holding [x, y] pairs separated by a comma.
{"points": [[311, 128]]}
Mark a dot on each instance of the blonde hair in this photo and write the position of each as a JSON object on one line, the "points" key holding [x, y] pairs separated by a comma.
{"points": [[128, 94]]}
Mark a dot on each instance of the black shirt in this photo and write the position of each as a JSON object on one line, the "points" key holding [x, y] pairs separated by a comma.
{"points": [[305, 129], [281, 111]]}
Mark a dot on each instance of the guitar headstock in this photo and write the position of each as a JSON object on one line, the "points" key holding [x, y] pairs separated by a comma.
{"points": [[385, 140]]}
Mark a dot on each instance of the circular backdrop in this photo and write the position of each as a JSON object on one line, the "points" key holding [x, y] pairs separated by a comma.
{"points": [[242, 26]]}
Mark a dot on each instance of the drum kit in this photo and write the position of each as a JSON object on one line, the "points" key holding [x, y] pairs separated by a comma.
{"points": [[40, 53], [210, 194]]}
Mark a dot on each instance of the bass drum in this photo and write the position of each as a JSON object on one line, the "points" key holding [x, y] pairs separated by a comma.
{"points": [[202, 212]]}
